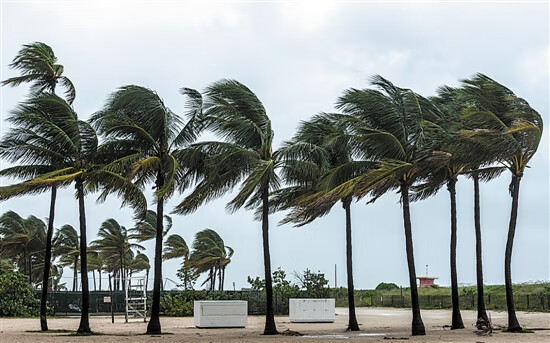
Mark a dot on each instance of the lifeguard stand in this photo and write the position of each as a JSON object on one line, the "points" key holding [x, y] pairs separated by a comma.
{"points": [[426, 281], [136, 298]]}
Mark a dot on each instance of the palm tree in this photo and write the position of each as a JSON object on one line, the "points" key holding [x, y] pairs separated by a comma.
{"points": [[510, 123], [389, 126], [464, 157], [113, 243], [66, 245], [234, 113], [145, 135], [320, 158], [76, 142], [23, 241], [146, 228], [96, 262], [138, 263], [38, 66], [210, 254]]}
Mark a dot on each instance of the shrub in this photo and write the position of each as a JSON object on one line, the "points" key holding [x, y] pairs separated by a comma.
{"points": [[382, 286], [16, 296]]}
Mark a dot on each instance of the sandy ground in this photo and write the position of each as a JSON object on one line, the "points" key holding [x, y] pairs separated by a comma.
{"points": [[377, 325]]}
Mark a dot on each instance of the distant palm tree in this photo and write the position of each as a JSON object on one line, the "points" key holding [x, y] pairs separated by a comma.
{"points": [[508, 122], [144, 136], [244, 156], [38, 66], [77, 143], [138, 263], [146, 228], [113, 242], [96, 261], [210, 254], [23, 241], [66, 246]]}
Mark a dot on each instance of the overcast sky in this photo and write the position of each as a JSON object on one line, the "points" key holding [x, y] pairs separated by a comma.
{"points": [[298, 57]]}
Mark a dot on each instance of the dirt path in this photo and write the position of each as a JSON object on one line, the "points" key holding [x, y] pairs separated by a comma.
{"points": [[377, 325]]}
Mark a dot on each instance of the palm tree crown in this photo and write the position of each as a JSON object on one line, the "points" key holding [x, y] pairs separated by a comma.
{"points": [[38, 66]]}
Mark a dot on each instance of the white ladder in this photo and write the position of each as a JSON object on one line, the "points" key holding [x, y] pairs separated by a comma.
{"points": [[136, 297]]}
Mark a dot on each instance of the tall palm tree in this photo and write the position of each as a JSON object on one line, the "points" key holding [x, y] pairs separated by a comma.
{"points": [[388, 125], [113, 242], [509, 122], [66, 245], [38, 66], [23, 240], [76, 142], [145, 135], [320, 158], [464, 157], [235, 114]]}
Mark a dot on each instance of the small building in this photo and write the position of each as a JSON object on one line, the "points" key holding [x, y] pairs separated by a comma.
{"points": [[426, 281]]}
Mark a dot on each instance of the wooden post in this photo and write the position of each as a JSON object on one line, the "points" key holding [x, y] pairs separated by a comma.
{"points": [[112, 300]]}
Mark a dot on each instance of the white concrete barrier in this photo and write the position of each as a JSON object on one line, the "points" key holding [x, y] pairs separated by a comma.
{"points": [[221, 314], [311, 310]]}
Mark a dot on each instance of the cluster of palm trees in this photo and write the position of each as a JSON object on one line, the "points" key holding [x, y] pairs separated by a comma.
{"points": [[383, 138]]}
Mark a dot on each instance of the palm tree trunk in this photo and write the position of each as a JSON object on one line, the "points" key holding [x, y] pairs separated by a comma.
{"points": [[417, 324], [154, 328], [482, 319], [93, 275], [513, 323], [84, 326], [456, 317], [25, 263], [75, 275], [99, 277], [352, 318], [220, 288], [30, 270], [270, 328], [122, 274], [223, 277]]}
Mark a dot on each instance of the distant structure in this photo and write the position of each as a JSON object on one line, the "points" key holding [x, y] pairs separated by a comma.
{"points": [[426, 281]]}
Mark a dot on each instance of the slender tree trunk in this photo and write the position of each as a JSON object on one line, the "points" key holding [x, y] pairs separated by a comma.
{"points": [[220, 288], [25, 263], [482, 319], [84, 326], [75, 275], [513, 323], [99, 277], [417, 324], [352, 318], [270, 328], [93, 275], [456, 317], [223, 277], [30, 270], [122, 274], [154, 328]]}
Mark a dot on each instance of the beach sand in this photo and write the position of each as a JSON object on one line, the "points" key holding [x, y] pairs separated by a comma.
{"points": [[377, 325]]}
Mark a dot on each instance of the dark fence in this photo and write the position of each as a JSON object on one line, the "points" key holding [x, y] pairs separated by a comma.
{"points": [[527, 302], [69, 303]]}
